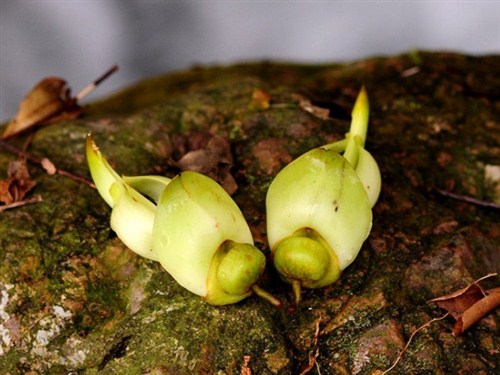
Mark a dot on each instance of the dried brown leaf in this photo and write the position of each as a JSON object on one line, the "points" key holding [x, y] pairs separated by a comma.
{"points": [[469, 305], [48, 102], [214, 160], [320, 112], [5, 195], [477, 311], [17, 184], [458, 302]]}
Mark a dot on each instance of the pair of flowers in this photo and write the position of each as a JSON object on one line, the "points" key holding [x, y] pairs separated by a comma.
{"points": [[318, 216]]}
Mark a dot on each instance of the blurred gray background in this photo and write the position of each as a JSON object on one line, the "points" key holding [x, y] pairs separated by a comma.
{"points": [[78, 40]]}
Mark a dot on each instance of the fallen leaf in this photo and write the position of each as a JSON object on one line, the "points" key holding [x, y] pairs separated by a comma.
{"points": [[5, 196], [213, 160], [49, 102], [477, 311], [260, 100], [469, 305], [322, 113], [17, 184], [458, 302]]}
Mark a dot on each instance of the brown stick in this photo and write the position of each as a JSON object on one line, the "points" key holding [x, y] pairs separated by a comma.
{"points": [[467, 199], [314, 355], [89, 88], [425, 325], [23, 154], [35, 199]]}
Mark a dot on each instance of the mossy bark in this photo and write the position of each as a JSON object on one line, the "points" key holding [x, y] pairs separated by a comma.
{"points": [[73, 299]]}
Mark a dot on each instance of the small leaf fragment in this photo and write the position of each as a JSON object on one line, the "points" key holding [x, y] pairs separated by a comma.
{"points": [[18, 183], [322, 113], [213, 160], [260, 100], [5, 196]]}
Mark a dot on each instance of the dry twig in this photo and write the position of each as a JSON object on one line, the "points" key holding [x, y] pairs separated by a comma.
{"points": [[315, 353], [24, 202], [467, 199], [45, 163], [425, 325]]}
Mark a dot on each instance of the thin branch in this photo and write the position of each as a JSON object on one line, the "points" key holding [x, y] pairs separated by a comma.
{"points": [[468, 199], [425, 325], [35, 199], [89, 88], [43, 162], [314, 355], [75, 177]]}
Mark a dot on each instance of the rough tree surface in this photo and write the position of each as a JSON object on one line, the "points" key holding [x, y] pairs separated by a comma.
{"points": [[73, 299]]}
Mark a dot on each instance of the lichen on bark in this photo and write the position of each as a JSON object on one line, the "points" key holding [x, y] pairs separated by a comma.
{"points": [[74, 299]]}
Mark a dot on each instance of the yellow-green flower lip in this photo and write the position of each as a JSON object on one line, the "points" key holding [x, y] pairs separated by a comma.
{"points": [[102, 173]]}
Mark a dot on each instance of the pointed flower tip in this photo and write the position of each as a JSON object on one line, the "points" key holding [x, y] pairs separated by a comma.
{"points": [[102, 173], [93, 152], [359, 127], [361, 106], [91, 145]]}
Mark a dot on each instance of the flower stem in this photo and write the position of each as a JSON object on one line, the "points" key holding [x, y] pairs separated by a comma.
{"points": [[337, 147], [266, 295], [297, 291]]}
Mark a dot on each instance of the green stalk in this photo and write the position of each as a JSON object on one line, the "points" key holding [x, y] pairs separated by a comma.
{"points": [[297, 291], [266, 295], [150, 185], [338, 147]]}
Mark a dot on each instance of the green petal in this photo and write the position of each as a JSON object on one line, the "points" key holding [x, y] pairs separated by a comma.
{"points": [[132, 219], [132, 215], [195, 216], [150, 185], [369, 173], [320, 190]]}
